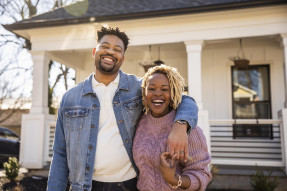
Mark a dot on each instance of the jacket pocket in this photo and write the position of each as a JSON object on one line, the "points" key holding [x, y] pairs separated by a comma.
{"points": [[76, 118]]}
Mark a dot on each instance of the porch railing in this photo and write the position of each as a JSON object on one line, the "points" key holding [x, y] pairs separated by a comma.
{"points": [[51, 130], [227, 150]]}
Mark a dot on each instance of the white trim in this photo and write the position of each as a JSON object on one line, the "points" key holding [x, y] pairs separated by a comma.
{"points": [[243, 162], [243, 121], [283, 129]]}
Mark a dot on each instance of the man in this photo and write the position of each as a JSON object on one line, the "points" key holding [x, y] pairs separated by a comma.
{"points": [[97, 121]]}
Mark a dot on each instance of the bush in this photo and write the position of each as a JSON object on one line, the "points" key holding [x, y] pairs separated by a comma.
{"points": [[12, 168], [262, 182]]}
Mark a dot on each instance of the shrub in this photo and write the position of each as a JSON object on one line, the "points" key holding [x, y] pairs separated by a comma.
{"points": [[11, 168], [262, 182]]}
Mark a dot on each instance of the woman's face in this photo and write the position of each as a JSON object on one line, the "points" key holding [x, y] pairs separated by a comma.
{"points": [[157, 94]]}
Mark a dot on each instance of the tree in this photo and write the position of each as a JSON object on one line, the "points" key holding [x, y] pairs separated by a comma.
{"points": [[11, 86], [10, 12], [62, 74]]}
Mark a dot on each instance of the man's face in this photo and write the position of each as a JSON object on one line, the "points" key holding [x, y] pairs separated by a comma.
{"points": [[109, 54]]}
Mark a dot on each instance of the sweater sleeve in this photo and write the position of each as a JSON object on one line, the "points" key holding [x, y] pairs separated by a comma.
{"points": [[197, 169]]}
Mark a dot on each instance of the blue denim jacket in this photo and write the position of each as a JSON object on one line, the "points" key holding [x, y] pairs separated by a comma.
{"points": [[77, 129]]}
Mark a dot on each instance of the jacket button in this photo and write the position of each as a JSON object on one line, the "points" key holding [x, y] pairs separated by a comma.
{"points": [[93, 126], [120, 121], [87, 168], [90, 147], [127, 140], [95, 106]]}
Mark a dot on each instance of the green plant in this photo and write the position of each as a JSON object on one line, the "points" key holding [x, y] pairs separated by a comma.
{"points": [[263, 182], [12, 169]]}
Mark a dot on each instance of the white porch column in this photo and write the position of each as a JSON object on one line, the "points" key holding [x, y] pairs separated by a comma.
{"points": [[34, 124], [194, 49], [284, 43], [282, 114]]}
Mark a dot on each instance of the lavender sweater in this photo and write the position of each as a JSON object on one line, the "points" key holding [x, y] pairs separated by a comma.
{"points": [[150, 141]]}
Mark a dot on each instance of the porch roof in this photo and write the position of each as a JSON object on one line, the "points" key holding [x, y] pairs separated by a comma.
{"points": [[112, 10]]}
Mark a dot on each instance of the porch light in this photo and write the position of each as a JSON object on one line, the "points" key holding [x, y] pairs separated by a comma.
{"points": [[150, 63], [240, 61]]}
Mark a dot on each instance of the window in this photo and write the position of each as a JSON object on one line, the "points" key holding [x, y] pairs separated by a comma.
{"points": [[251, 100], [10, 135]]}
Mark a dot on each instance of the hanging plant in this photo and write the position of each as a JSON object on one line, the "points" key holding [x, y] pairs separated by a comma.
{"points": [[240, 62]]}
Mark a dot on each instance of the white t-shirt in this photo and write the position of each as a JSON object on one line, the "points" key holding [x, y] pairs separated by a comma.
{"points": [[112, 163]]}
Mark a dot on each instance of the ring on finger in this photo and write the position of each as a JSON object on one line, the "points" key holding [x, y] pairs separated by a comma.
{"points": [[181, 152]]}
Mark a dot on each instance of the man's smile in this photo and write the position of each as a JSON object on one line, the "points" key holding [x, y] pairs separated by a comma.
{"points": [[108, 59]]}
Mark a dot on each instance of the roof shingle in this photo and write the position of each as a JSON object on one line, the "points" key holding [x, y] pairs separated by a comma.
{"points": [[106, 10]]}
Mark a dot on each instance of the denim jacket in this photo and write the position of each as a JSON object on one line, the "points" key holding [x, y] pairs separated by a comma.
{"points": [[77, 129]]}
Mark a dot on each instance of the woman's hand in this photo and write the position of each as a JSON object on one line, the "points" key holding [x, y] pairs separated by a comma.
{"points": [[167, 167]]}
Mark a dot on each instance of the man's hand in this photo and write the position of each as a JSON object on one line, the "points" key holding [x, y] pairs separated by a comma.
{"points": [[177, 142]]}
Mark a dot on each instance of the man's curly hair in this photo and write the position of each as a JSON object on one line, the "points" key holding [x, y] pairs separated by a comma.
{"points": [[111, 31]]}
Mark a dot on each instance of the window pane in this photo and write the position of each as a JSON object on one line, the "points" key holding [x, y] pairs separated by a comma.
{"points": [[251, 93], [251, 84], [249, 110], [10, 135]]}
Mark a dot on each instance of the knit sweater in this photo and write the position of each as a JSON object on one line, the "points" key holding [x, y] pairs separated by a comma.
{"points": [[150, 140]]}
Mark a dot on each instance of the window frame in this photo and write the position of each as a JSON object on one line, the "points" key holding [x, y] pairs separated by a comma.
{"points": [[236, 127]]}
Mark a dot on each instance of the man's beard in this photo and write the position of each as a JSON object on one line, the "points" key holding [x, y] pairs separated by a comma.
{"points": [[105, 69]]}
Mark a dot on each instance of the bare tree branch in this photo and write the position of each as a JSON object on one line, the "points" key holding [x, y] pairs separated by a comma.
{"points": [[13, 11]]}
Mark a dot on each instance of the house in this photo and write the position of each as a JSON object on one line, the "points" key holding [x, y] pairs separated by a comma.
{"points": [[11, 119], [11, 111], [243, 111]]}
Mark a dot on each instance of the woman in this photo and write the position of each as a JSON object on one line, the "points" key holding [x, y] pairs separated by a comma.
{"points": [[162, 88]]}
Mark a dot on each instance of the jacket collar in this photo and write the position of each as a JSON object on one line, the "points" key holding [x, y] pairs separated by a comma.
{"points": [[124, 83], [88, 85], [88, 88]]}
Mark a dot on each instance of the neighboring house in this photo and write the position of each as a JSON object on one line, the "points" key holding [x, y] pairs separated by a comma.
{"points": [[242, 112], [12, 121]]}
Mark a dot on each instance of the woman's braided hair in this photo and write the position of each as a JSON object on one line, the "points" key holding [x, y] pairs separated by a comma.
{"points": [[176, 83]]}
